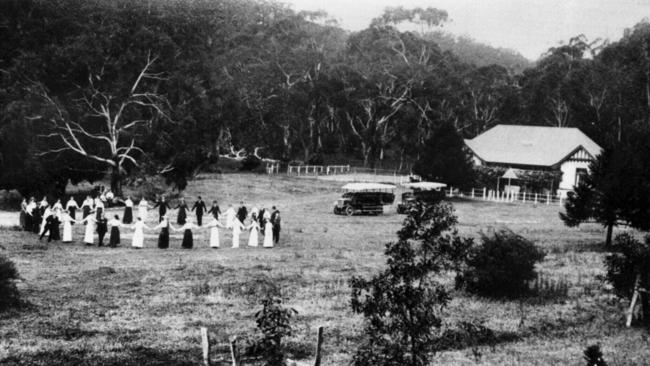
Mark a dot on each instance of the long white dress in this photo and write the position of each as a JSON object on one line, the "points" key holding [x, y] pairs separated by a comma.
{"points": [[253, 238], [237, 227], [67, 227], [268, 234], [90, 229], [214, 233], [138, 235], [230, 217], [142, 209]]}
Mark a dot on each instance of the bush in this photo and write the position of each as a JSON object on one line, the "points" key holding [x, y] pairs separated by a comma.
{"points": [[594, 356], [9, 296], [274, 322], [630, 259], [403, 304], [501, 267]]}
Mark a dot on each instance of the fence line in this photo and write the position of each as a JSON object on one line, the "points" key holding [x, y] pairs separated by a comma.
{"points": [[506, 196]]}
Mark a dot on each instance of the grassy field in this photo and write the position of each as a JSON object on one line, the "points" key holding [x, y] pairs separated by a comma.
{"points": [[150, 309]]}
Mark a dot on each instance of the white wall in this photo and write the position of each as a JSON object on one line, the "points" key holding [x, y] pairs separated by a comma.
{"points": [[568, 169]]}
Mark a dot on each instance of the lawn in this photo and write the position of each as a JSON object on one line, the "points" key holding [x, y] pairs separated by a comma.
{"points": [[118, 306]]}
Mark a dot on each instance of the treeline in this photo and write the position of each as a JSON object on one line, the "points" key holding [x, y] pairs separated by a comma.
{"points": [[166, 87]]}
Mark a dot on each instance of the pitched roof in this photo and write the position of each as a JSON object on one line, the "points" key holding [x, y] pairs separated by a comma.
{"points": [[530, 145]]}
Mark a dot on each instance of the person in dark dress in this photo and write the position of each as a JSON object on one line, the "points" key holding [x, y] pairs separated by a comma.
{"points": [[72, 207], [163, 237], [242, 212], [87, 206], [128, 211], [188, 238], [261, 220], [114, 239], [55, 229], [162, 208], [36, 220], [181, 218], [102, 229], [214, 210], [200, 208], [275, 220]]}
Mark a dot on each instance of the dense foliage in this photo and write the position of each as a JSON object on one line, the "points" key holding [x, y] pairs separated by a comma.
{"points": [[616, 189], [630, 259], [274, 323], [9, 296], [166, 87], [444, 159], [403, 304], [501, 267]]}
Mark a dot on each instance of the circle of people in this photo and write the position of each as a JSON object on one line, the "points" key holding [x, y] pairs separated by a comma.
{"points": [[43, 219]]}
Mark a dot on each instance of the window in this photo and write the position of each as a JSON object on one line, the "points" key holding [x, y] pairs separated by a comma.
{"points": [[581, 173]]}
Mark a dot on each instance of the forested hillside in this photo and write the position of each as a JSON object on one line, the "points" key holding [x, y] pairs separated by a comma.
{"points": [[166, 87]]}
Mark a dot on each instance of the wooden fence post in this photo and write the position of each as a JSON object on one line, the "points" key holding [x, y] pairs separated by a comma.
{"points": [[472, 193], [319, 345], [535, 198], [484, 193], [233, 352], [548, 199], [205, 346], [635, 296]]}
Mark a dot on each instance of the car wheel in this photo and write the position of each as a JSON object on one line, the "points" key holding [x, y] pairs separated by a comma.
{"points": [[349, 211]]}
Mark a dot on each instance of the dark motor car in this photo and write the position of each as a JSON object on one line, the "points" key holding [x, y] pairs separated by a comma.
{"points": [[364, 199], [424, 192]]}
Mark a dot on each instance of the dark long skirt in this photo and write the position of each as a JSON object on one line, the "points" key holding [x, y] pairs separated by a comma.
{"points": [[163, 238], [182, 216], [99, 213], [23, 220], [73, 213], [36, 222], [114, 240], [128, 215], [86, 211], [55, 232], [28, 222], [188, 241]]}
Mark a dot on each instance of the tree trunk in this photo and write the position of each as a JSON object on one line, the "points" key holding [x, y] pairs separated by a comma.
{"points": [[116, 181], [608, 238]]}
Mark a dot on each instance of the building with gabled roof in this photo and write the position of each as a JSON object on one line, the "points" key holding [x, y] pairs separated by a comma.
{"points": [[536, 148]]}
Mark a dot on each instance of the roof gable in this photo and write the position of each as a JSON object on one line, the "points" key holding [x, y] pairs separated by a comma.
{"points": [[530, 145]]}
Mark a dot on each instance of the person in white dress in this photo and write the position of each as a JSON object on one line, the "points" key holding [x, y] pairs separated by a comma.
{"points": [[143, 206], [67, 227], [214, 226], [268, 233], [57, 208], [89, 232], [253, 237], [138, 234], [237, 228], [230, 216]]}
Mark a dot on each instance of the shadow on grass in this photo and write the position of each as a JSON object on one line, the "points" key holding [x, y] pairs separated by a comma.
{"points": [[468, 335], [135, 356]]}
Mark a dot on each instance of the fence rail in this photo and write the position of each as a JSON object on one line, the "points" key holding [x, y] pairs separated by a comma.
{"points": [[506, 196]]}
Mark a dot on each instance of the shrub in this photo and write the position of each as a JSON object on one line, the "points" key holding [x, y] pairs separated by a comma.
{"points": [[501, 267], [594, 356], [403, 304], [9, 296], [250, 163], [630, 259], [274, 322]]}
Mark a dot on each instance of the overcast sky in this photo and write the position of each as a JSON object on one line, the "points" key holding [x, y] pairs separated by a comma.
{"points": [[528, 26]]}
